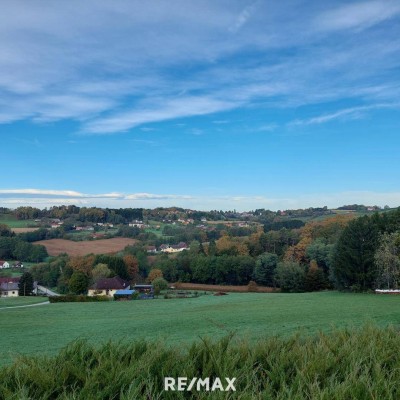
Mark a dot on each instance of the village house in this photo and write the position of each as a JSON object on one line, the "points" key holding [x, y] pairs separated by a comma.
{"points": [[9, 287], [165, 248], [137, 224], [152, 249], [108, 286], [18, 264], [4, 264]]}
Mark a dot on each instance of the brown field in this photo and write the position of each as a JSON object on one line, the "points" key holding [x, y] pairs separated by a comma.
{"points": [[221, 288], [103, 246], [23, 230]]}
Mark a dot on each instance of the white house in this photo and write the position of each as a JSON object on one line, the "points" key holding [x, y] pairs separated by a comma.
{"points": [[108, 286], [4, 264]]}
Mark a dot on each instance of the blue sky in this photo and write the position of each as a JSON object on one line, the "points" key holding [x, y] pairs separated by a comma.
{"points": [[200, 104]]}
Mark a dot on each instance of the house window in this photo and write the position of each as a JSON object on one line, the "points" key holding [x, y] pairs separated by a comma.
{"points": [[13, 292], [5, 293]]}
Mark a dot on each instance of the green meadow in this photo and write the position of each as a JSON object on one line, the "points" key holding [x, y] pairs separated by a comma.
{"points": [[20, 301], [46, 329], [13, 222]]}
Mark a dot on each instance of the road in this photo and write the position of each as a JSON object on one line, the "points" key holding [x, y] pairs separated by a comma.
{"points": [[47, 291]]}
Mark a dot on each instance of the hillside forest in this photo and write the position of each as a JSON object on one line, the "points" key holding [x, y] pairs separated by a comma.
{"points": [[354, 248]]}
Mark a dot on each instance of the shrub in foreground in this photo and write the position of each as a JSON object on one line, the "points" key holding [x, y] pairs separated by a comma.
{"points": [[345, 364]]}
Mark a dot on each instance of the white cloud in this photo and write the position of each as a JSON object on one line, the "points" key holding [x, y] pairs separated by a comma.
{"points": [[46, 198], [64, 193]]}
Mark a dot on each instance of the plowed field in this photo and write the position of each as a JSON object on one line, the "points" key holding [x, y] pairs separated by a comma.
{"points": [[103, 246]]}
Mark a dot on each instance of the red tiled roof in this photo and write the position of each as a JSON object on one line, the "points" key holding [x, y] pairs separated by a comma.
{"points": [[8, 280]]}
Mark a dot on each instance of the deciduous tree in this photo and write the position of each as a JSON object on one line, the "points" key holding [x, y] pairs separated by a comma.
{"points": [[78, 283], [153, 274], [387, 261]]}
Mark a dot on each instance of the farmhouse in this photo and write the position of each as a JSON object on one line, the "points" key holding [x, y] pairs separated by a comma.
{"points": [[9, 287], [4, 264], [165, 248], [108, 286]]}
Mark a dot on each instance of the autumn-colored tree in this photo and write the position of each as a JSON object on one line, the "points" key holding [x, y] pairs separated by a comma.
{"points": [[328, 229], [255, 242], [252, 287], [298, 251], [231, 246], [132, 266], [82, 263], [315, 278], [154, 274]]}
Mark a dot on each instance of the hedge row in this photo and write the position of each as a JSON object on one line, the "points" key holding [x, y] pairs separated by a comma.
{"points": [[71, 298]]}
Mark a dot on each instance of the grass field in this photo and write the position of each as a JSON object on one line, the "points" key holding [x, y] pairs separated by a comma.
{"points": [[20, 301], [12, 222], [57, 246], [346, 364], [252, 315]]}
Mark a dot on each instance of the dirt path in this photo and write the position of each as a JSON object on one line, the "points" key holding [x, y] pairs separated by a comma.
{"points": [[27, 305]]}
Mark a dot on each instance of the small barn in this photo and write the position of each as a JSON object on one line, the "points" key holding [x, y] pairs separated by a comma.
{"points": [[145, 291]]}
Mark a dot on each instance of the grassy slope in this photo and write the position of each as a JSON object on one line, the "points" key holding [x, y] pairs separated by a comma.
{"points": [[183, 320]]}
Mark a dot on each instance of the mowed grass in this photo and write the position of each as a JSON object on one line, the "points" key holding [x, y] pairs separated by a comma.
{"points": [[19, 301], [46, 329]]}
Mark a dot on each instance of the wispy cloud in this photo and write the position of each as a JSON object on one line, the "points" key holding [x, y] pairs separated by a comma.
{"points": [[243, 17], [193, 60], [358, 15], [161, 111], [352, 112], [149, 196]]}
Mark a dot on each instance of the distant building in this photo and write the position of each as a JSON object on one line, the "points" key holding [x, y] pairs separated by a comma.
{"points": [[166, 248], [9, 287], [108, 286], [4, 264], [145, 291], [151, 249], [18, 264]]}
